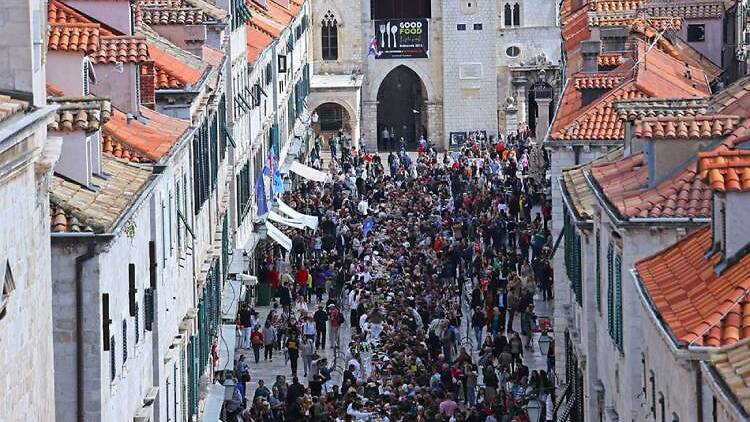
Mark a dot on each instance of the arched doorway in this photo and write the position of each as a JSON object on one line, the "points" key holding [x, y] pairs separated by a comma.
{"points": [[543, 92], [332, 118], [402, 109]]}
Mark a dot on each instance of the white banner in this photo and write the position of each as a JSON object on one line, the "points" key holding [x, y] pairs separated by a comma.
{"points": [[310, 221], [278, 236]]}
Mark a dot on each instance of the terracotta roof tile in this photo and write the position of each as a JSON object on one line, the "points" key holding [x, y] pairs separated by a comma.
{"points": [[625, 185], [575, 29], [726, 170], [120, 150], [608, 19], [257, 41], [611, 59], [714, 9], [576, 189], [698, 306], [54, 91], [732, 363], [59, 12], [685, 127], [78, 37], [61, 222], [80, 113], [212, 56], [171, 16], [597, 80], [615, 5], [76, 208], [10, 106], [172, 72], [121, 48], [152, 139]]}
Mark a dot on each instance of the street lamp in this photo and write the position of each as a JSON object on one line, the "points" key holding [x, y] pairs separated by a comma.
{"points": [[545, 341], [534, 409], [228, 389]]}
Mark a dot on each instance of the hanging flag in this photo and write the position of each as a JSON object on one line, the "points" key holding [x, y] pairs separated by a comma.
{"points": [[367, 225], [278, 182], [373, 49], [260, 195]]}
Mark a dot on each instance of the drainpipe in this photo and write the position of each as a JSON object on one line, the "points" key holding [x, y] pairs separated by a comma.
{"points": [[698, 390], [80, 260]]}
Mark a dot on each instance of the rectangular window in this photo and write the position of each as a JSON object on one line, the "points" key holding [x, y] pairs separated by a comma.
{"points": [[573, 256], [477, 26], [618, 302], [105, 321], [389, 9], [662, 407], [461, 27], [652, 380], [132, 290], [610, 291], [696, 32], [282, 63]]}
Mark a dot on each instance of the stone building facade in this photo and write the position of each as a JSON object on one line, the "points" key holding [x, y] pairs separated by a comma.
{"points": [[489, 86], [27, 155]]}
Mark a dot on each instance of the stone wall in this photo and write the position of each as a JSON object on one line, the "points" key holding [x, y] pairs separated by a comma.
{"points": [[26, 364]]}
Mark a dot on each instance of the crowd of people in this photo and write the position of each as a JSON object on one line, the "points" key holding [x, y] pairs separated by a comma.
{"points": [[433, 264]]}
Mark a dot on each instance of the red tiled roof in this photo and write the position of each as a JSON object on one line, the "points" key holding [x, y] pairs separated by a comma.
{"points": [[171, 15], [726, 170], [698, 306], [611, 59], [660, 23], [152, 139], [257, 40], [657, 75], [171, 72], [60, 221], [625, 185], [597, 80], [54, 91], [685, 127], [120, 150], [612, 6], [696, 10], [272, 11], [575, 29], [121, 48], [79, 37], [59, 12], [213, 56]]}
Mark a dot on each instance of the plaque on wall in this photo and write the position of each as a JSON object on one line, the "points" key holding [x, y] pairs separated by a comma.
{"points": [[401, 39]]}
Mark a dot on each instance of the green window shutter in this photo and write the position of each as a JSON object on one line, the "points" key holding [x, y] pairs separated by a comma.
{"points": [[610, 291], [618, 302], [598, 258], [112, 359], [137, 323], [183, 383], [578, 272]]}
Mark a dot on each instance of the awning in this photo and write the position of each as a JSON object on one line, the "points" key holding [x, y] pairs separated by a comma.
{"points": [[291, 155], [230, 299], [291, 222], [239, 262], [308, 173], [310, 221], [278, 236], [214, 401], [226, 346]]}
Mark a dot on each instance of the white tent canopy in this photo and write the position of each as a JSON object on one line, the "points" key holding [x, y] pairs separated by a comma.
{"points": [[310, 221], [309, 173], [291, 222], [278, 236]]}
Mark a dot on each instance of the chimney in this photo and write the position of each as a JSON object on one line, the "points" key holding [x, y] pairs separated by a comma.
{"points": [[24, 23], [590, 51]]}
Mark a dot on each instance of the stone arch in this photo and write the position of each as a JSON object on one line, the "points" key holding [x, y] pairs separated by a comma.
{"points": [[316, 101], [378, 78]]}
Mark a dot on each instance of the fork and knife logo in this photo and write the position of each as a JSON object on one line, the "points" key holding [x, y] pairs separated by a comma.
{"points": [[389, 30]]}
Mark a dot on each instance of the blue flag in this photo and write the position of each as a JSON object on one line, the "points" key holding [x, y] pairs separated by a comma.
{"points": [[278, 182], [367, 225], [260, 195]]}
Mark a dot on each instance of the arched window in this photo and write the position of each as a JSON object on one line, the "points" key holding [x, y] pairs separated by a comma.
{"points": [[507, 14], [516, 15], [329, 34]]}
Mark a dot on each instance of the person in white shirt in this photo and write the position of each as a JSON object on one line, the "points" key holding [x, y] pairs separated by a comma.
{"points": [[356, 413], [308, 328], [363, 207], [357, 367]]}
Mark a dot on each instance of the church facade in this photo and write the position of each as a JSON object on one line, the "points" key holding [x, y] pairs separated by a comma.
{"points": [[434, 68]]}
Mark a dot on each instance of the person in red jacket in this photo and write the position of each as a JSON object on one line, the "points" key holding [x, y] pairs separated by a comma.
{"points": [[274, 278], [302, 276]]}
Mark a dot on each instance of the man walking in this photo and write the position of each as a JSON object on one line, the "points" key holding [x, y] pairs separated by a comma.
{"points": [[320, 317]]}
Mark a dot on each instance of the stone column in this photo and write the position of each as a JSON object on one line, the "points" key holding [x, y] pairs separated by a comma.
{"points": [[520, 83], [435, 125], [511, 119], [542, 120], [369, 125]]}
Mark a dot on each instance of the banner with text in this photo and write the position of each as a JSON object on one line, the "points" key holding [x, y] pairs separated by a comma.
{"points": [[401, 39]]}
